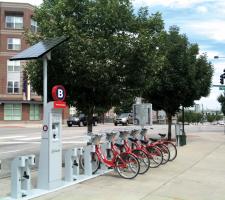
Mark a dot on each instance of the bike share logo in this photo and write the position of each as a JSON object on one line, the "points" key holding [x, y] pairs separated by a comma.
{"points": [[58, 93]]}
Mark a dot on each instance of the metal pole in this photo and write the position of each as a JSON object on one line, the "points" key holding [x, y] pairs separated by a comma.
{"points": [[224, 116], [45, 79], [183, 119]]}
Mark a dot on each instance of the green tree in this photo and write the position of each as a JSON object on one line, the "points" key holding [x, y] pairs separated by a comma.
{"points": [[181, 78], [210, 118], [191, 117], [221, 100], [102, 63]]}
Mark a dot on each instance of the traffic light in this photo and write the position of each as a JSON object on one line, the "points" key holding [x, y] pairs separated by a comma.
{"points": [[221, 79]]}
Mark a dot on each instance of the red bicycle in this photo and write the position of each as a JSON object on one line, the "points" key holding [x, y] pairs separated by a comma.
{"points": [[140, 154], [126, 164], [155, 143], [170, 145], [154, 153]]}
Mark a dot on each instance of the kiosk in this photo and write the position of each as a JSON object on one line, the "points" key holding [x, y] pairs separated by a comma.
{"points": [[50, 160], [142, 114]]}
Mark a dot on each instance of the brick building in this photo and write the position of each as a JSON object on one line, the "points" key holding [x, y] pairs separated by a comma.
{"points": [[17, 101]]}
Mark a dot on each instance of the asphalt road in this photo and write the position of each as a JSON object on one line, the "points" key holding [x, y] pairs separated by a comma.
{"points": [[21, 140]]}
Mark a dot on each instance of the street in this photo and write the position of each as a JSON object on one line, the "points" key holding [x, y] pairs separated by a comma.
{"points": [[21, 140]]}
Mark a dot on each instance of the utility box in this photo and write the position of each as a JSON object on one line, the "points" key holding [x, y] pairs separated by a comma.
{"points": [[180, 136], [142, 114]]}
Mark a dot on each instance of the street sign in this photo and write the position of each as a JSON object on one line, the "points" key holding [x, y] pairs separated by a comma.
{"points": [[59, 104], [222, 87]]}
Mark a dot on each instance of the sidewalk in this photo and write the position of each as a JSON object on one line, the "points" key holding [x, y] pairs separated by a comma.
{"points": [[197, 174]]}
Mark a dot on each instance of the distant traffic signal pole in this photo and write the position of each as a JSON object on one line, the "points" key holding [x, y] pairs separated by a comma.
{"points": [[221, 87]]}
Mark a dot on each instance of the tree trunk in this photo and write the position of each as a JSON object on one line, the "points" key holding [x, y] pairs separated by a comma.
{"points": [[90, 121], [103, 121], [169, 116]]}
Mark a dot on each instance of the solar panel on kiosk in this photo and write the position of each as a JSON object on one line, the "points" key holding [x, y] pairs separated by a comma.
{"points": [[38, 50]]}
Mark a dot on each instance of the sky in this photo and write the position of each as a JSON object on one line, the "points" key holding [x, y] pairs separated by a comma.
{"points": [[203, 21]]}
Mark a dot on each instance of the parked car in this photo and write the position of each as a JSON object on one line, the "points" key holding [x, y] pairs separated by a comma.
{"points": [[221, 122], [80, 120], [124, 119]]}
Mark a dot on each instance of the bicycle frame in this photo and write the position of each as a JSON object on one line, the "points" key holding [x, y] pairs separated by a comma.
{"points": [[144, 147], [110, 163]]}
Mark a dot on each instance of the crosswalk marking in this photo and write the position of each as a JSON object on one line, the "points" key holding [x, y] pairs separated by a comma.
{"points": [[12, 137]]}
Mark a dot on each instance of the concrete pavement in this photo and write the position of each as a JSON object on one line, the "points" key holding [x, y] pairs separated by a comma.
{"points": [[197, 174]]}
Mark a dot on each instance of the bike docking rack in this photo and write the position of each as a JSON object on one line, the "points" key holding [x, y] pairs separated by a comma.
{"points": [[21, 187], [21, 176], [96, 140], [72, 164], [110, 138]]}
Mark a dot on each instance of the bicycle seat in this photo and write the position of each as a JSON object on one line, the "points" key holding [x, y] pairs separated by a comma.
{"points": [[162, 135], [144, 141], [119, 145], [134, 132], [153, 139], [133, 139], [123, 134], [144, 131], [95, 139], [111, 135]]}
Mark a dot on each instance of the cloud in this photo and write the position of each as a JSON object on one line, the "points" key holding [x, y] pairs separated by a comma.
{"points": [[210, 53], [32, 2], [211, 102], [202, 9], [210, 29], [169, 3]]}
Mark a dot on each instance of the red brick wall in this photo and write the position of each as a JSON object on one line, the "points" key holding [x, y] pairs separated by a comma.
{"points": [[1, 112], [41, 112], [3, 75], [25, 112], [27, 11]]}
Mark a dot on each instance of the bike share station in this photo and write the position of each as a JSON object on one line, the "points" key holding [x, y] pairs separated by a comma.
{"points": [[50, 177]]}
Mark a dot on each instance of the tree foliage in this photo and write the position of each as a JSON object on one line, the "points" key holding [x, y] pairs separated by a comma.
{"points": [[221, 100], [191, 117], [181, 77], [105, 59]]}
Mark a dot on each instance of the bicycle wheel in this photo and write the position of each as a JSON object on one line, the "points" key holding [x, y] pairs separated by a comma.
{"points": [[127, 165], [143, 160], [173, 150], [155, 156], [165, 152], [95, 163]]}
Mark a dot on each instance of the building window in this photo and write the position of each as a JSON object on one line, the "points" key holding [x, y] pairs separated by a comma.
{"points": [[12, 111], [34, 112], [14, 22], [34, 26], [13, 87], [14, 44], [13, 66]]}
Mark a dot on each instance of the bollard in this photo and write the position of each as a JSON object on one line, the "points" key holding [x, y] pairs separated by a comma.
{"points": [[72, 163], [21, 176]]}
